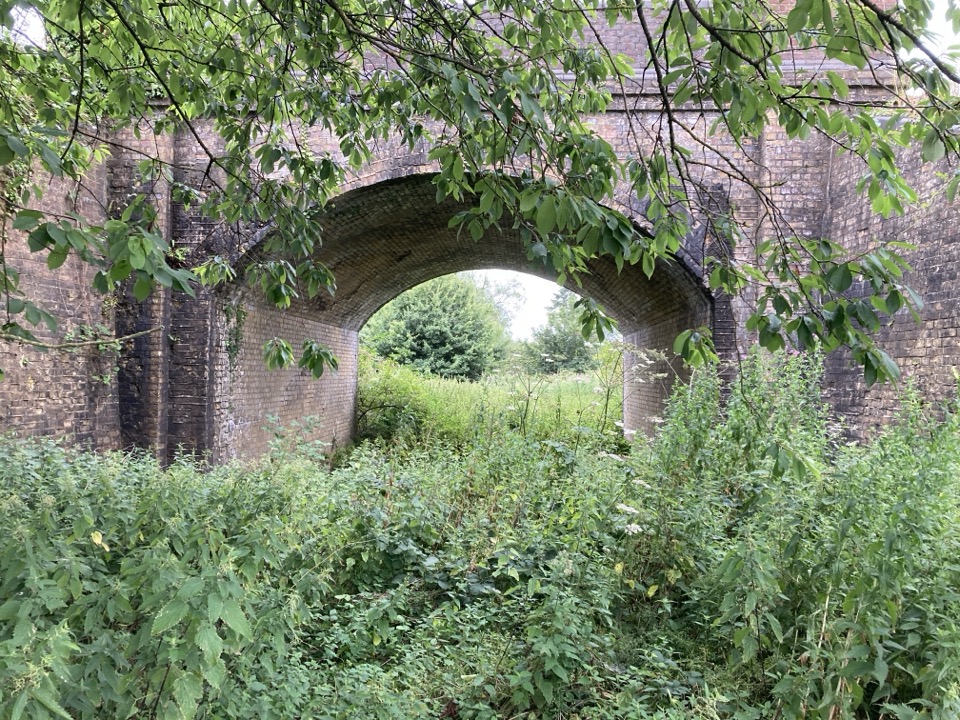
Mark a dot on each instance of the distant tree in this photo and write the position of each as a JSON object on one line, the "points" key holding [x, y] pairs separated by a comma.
{"points": [[507, 295], [559, 344], [448, 327]]}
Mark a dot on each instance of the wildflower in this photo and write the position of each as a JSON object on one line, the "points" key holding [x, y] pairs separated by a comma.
{"points": [[627, 509], [632, 529]]}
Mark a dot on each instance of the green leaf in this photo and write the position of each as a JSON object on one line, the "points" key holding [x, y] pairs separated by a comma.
{"points": [[546, 216], [39, 239], [49, 320], [171, 614], [316, 357], [32, 313], [476, 229], [869, 372], [57, 257], [796, 19], [7, 155], [775, 627], [137, 258], [277, 353], [191, 588], [49, 703], [649, 264], [215, 673], [27, 219], [528, 201], [840, 278], [214, 607], [880, 670], [857, 668], [233, 616], [188, 690], [142, 287], [18, 707], [933, 148], [16, 144], [209, 642]]}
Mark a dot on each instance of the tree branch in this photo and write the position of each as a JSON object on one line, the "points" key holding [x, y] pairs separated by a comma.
{"points": [[7, 337]]}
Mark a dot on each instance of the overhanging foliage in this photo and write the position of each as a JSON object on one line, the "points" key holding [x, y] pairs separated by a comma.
{"points": [[497, 89]]}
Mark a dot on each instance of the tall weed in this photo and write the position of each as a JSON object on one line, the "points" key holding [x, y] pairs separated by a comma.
{"points": [[397, 403], [823, 576], [744, 563]]}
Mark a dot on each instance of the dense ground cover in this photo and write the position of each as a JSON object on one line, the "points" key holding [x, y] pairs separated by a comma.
{"points": [[744, 564], [398, 404]]}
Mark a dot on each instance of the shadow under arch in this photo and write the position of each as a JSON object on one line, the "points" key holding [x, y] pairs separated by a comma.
{"points": [[382, 239]]}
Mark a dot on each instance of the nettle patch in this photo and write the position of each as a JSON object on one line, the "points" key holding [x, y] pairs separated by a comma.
{"points": [[743, 564]]}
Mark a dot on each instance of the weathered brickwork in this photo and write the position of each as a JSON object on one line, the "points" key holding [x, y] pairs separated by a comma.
{"points": [[199, 385], [71, 395], [143, 378], [248, 394], [927, 352], [385, 238]]}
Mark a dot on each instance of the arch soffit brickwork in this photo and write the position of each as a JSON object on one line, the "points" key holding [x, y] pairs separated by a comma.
{"points": [[389, 234]]}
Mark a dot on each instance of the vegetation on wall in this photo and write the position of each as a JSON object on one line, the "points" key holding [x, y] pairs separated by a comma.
{"points": [[745, 563], [498, 91]]}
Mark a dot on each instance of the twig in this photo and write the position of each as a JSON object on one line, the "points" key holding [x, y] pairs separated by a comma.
{"points": [[78, 344]]}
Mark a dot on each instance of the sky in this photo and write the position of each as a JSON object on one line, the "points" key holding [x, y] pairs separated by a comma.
{"points": [[942, 28], [537, 294]]}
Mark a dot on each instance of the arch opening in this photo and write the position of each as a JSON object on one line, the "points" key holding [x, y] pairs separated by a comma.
{"points": [[383, 239]]}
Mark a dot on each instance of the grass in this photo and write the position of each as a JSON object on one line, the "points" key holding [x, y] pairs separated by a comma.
{"points": [[397, 402]]}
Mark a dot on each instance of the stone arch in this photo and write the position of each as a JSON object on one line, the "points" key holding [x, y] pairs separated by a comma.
{"points": [[381, 239]]}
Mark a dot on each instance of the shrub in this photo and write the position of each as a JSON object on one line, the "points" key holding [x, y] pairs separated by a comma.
{"points": [[449, 327], [742, 564], [398, 403]]}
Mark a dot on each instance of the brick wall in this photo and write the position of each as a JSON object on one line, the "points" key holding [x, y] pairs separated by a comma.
{"points": [[247, 394], [382, 239], [70, 395], [199, 387], [927, 352], [143, 376]]}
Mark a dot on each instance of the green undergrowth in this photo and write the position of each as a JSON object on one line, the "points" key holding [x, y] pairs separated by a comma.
{"points": [[397, 403], [744, 564]]}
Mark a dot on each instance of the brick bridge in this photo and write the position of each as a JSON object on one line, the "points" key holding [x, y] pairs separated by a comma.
{"points": [[200, 383]]}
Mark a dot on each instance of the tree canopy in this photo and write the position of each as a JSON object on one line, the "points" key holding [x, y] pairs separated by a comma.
{"points": [[448, 327], [559, 344], [499, 90]]}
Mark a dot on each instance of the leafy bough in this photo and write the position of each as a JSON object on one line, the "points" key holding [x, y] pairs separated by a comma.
{"points": [[498, 90]]}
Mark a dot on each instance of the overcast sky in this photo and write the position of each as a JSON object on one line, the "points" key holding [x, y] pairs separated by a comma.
{"points": [[537, 294]]}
